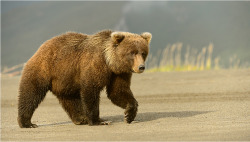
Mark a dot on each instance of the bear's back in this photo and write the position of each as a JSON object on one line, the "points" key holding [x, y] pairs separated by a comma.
{"points": [[66, 43], [56, 56]]}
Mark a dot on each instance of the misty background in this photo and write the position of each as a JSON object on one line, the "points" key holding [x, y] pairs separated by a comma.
{"points": [[26, 25]]}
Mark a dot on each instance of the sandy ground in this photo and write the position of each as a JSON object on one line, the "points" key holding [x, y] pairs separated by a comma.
{"points": [[207, 105]]}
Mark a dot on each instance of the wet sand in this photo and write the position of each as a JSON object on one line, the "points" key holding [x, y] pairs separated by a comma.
{"points": [[205, 105]]}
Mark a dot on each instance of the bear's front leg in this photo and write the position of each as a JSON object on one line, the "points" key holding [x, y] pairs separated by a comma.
{"points": [[131, 111], [90, 106], [90, 98], [120, 94]]}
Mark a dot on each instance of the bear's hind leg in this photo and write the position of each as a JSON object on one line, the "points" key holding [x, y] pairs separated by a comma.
{"points": [[29, 99], [73, 107]]}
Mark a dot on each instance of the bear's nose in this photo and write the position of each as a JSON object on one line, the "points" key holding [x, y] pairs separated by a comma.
{"points": [[141, 67]]}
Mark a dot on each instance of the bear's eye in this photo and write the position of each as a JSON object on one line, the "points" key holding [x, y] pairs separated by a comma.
{"points": [[115, 45], [144, 55], [133, 52]]}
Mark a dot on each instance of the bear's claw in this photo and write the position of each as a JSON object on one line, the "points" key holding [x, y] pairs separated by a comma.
{"points": [[33, 126], [29, 126], [129, 118], [105, 123]]}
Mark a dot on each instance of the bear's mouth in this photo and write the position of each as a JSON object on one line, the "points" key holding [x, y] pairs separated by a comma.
{"points": [[133, 71]]}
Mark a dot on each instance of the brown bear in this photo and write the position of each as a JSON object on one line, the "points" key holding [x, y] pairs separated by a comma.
{"points": [[75, 67]]}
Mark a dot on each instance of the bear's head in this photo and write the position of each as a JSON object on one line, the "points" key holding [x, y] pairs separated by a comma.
{"points": [[127, 52]]}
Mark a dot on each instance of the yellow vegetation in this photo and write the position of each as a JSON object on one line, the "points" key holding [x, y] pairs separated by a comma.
{"points": [[170, 59]]}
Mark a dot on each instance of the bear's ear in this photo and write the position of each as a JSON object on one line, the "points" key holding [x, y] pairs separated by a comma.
{"points": [[147, 36], [117, 37]]}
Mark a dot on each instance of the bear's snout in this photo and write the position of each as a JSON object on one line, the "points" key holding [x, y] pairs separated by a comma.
{"points": [[139, 65], [141, 68]]}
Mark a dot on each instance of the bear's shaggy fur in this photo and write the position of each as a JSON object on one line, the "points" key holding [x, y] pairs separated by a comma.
{"points": [[75, 67]]}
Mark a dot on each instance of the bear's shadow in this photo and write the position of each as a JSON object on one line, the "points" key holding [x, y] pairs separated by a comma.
{"points": [[144, 117], [150, 116]]}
